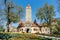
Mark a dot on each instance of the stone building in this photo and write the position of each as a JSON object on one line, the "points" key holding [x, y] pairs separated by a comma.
{"points": [[45, 30], [31, 27], [28, 26]]}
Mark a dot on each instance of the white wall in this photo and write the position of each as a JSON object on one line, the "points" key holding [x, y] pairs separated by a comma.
{"points": [[45, 30], [31, 29]]}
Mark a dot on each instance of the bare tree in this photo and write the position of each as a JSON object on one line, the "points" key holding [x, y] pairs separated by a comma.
{"points": [[11, 16]]}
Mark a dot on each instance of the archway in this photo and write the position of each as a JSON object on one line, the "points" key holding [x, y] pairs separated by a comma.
{"points": [[27, 30]]}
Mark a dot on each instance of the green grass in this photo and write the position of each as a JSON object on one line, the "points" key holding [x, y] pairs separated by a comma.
{"points": [[20, 36]]}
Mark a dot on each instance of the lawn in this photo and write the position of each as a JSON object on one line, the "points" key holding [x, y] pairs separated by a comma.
{"points": [[20, 36]]}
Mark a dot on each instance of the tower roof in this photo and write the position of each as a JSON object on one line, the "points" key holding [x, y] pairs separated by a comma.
{"points": [[28, 5]]}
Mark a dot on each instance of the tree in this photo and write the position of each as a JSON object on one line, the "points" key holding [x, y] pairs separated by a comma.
{"points": [[1, 28], [58, 6], [13, 13], [58, 25], [11, 16], [58, 21], [46, 13]]}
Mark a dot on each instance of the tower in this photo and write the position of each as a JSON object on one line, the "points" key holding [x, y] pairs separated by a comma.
{"points": [[28, 13]]}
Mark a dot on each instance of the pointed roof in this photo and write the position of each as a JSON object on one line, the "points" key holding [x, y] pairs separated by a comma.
{"points": [[35, 21], [21, 24], [35, 24]]}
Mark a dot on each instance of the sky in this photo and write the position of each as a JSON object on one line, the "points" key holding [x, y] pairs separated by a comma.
{"points": [[35, 4]]}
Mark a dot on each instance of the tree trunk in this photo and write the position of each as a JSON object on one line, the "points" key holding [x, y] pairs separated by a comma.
{"points": [[8, 25], [8, 22]]}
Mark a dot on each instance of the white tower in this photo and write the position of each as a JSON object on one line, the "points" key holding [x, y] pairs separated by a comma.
{"points": [[28, 13]]}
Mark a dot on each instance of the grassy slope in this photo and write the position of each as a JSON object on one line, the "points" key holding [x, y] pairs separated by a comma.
{"points": [[20, 36]]}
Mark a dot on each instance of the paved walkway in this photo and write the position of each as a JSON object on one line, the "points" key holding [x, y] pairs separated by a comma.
{"points": [[53, 38]]}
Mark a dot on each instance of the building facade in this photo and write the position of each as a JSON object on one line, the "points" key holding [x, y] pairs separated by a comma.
{"points": [[28, 26]]}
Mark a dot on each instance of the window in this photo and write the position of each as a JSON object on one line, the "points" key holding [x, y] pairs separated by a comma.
{"points": [[21, 29], [43, 30], [46, 29], [48, 32], [35, 29]]}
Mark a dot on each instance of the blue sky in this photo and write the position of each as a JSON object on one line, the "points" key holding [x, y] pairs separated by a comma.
{"points": [[35, 4]]}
